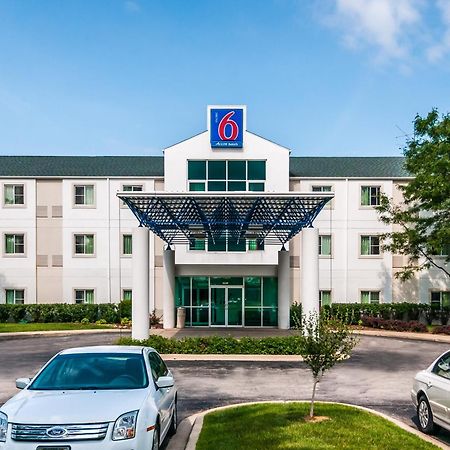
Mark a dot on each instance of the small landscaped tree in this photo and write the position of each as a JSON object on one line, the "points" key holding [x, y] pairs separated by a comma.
{"points": [[324, 342]]}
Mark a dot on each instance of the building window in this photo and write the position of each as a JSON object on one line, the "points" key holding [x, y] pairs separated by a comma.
{"points": [[370, 297], [84, 244], [370, 245], [84, 195], [14, 194], [84, 296], [255, 244], [324, 189], [14, 244], [324, 298], [15, 296], [127, 294], [370, 195], [325, 245], [232, 176], [197, 244], [440, 299], [127, 244], [132, 188]]}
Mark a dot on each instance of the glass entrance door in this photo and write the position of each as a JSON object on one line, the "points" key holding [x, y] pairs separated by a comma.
{"points": [[226, 306]]}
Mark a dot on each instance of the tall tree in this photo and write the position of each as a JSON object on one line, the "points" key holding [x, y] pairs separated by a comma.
{"points": [[422, 222]]}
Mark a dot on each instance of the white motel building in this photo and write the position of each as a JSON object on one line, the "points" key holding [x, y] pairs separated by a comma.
{"points": [[226, 223]]}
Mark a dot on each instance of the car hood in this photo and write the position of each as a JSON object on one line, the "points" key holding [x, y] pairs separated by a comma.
{"points": [[70, 407]]}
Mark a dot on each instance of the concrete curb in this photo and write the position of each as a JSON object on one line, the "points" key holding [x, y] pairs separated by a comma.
{"points": [[57, 333], [428, 337], [196, 420]]}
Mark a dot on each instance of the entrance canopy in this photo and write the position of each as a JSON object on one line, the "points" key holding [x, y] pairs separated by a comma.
{"points": [[266, 217]]}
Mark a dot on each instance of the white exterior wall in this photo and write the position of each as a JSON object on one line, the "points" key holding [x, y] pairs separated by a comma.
{"points": [[199, 148], [19, 272]]}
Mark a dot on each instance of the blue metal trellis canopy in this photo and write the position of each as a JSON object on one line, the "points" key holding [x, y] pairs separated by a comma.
{"points": [[266, 217]]}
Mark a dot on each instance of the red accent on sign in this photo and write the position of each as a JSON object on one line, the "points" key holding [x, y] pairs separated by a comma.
{"points": [[226, 120]]}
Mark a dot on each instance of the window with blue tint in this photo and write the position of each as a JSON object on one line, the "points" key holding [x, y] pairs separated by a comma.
{"points": [[196, 170], [237, 170], [217, 170], [256, 170]]}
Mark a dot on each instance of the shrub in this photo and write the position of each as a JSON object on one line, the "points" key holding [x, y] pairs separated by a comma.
{"points": [[394, 325], [287, 345], [154, 319], [125, 308], [101, 322], [85, 321], [443, 329]]}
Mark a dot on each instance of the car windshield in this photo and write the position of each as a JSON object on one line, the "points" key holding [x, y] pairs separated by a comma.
{"points": [[93, 371]]}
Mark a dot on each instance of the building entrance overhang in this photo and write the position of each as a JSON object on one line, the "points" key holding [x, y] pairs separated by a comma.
{"points": [[180, 218]]}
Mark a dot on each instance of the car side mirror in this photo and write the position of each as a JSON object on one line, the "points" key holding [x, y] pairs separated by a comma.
{"points": [[165, 382], [22, 383]]}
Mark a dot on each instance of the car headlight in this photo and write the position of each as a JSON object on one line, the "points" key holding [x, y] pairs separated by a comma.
{"points": [[125, 426], [3, 426]]}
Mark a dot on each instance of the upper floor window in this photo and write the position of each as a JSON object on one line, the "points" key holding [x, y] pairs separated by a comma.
{"points": [[226, 243], [440, 299], [370, 296], [84, 195], [325, 245], [132, 188], [15, 296], [370, 195], [370, 245], [84, 244], [84, 296], [14, 244], [232, 176], [324, 298], [324, 189], [14, 194], [255, 244], [127, 244]]}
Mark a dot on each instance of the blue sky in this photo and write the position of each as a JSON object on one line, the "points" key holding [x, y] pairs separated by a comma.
{"points": [[130, 77]]}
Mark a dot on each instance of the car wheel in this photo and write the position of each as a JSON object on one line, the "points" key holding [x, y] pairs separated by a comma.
{"points": [[155, 442], [174, 421], [425, 416]]}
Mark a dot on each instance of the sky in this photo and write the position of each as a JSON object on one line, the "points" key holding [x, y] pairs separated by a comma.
{"points": [[131, 77]]}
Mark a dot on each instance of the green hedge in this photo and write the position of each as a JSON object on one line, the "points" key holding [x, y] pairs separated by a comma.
{"points": [[63, 312], [288, 345]]}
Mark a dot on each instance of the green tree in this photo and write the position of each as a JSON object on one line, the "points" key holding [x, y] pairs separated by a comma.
{"points": [[324, 342], [422, 222]]}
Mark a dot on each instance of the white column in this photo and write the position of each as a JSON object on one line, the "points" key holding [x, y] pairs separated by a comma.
{"points": [[140, 310], [309, 269], [169, 289], [284, 289]]}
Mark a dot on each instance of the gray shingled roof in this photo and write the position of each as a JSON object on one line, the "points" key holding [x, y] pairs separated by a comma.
{"points": [[147, 166], [370, 167]]}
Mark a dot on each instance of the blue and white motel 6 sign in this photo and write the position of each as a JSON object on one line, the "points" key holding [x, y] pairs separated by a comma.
{"points": [[227, 127]]}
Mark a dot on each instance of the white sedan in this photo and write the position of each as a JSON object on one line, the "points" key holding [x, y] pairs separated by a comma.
{"points": [[109, 397], [431, 395]]}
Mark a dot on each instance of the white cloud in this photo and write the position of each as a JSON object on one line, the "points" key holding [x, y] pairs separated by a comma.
{"points": [[381, 24], [437, 51]]}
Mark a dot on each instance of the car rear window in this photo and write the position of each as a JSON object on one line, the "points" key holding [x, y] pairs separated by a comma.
{"points": [[96, 371]]}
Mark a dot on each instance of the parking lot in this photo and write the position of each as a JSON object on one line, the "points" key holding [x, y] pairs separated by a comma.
{"points": [[378, 375]]}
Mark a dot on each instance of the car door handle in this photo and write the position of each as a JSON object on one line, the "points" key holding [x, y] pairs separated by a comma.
{"points": [[429, 384]]}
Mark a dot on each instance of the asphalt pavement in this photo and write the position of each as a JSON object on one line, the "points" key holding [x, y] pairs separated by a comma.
{"points": [[378, 375]]}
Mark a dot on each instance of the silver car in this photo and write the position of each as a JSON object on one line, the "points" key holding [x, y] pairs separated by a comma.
{"points": [[431, 395]]}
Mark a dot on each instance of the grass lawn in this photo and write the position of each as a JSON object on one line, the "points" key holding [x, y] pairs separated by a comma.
{"points": [[15, 327], [282, 426]]}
